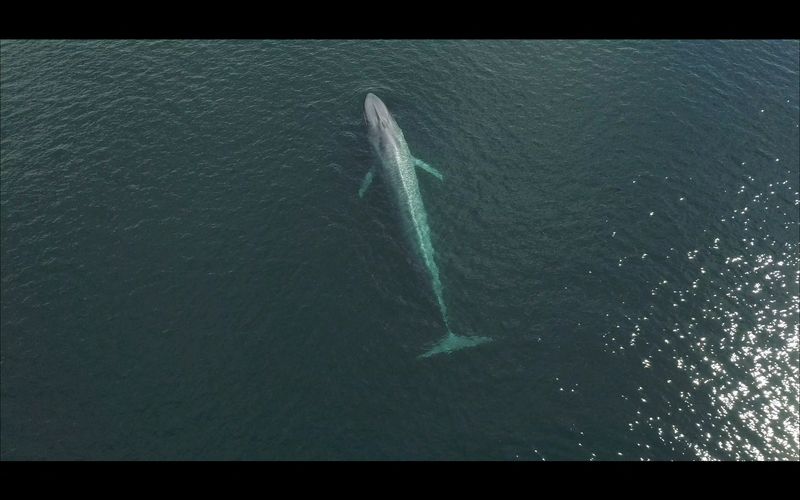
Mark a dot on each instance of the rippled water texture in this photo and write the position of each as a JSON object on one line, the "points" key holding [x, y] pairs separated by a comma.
{"points": [[188, 272]]}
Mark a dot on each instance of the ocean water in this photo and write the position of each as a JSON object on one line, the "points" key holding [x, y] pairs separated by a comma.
{"points": [[188, 272]]}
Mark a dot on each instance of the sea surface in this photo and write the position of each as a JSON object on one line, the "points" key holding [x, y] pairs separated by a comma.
{"points": [[189, 273]]}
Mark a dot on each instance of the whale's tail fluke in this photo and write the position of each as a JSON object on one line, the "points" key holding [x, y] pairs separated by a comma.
{"points": [[452, 342]]}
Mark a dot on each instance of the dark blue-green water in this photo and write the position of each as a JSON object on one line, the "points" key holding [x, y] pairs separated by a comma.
{"points": [[188, 272]]}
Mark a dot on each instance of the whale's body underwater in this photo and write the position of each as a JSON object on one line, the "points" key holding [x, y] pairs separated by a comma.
{"points": [[397, 167]]}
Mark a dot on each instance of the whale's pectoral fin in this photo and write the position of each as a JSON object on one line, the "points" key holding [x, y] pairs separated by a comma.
{"points": [[366, 182], [424, 166]]}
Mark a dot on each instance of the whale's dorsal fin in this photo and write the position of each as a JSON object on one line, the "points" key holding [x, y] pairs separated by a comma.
{"points": [[424, 166]]}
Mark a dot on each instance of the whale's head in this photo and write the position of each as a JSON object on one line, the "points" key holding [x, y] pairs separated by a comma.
{"points": [[381, 127]]}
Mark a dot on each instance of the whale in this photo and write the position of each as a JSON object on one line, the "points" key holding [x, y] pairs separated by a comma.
{"points": [[397, 167]]}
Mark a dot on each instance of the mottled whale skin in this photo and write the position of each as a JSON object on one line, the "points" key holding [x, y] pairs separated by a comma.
{"points": [[398, 169]]}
